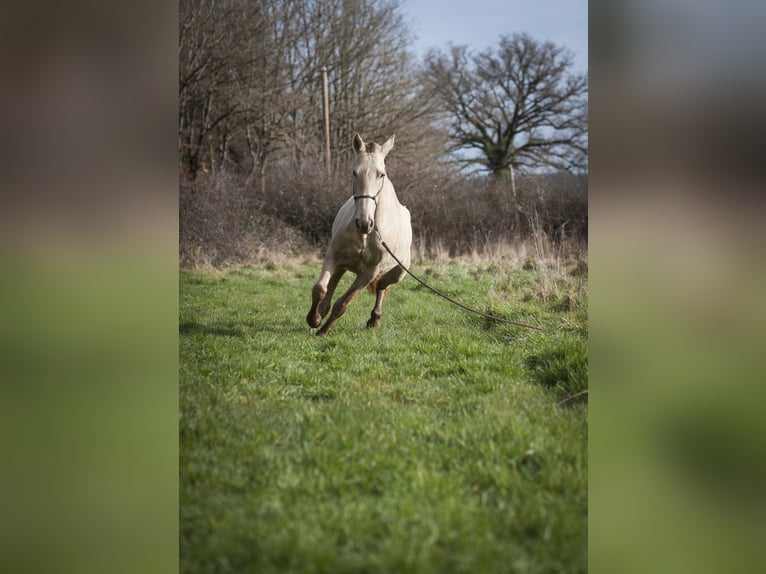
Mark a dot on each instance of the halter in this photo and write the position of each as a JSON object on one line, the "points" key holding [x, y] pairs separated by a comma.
{"points": [[372, 197]]}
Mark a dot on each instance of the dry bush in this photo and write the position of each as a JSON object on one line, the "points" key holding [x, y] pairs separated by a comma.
{"points": [[307, 203], [482, 217], [226, 219], [221, 223]]}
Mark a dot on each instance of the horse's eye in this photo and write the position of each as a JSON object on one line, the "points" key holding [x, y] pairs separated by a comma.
{"points": [[354, 172]]}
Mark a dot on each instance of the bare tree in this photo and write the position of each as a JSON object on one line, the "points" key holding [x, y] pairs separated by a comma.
{"points": [[517, 106], [209, 30], [373, 81]]}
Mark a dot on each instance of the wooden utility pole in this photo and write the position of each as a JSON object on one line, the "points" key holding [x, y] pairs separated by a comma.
{"points": [[326, 110], [516, 210]]}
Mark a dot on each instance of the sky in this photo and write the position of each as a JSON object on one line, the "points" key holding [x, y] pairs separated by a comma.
{"points": [[479, 24]]}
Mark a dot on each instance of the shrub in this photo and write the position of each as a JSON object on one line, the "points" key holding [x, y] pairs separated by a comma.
{"points": [[220, 223], [226, 218]]}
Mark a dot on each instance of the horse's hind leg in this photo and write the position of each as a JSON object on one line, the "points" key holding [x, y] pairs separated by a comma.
{"points": [[344, 300], [376, 310], [393, 276]]}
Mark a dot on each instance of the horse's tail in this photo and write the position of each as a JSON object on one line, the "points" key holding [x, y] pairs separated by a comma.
{"points": [[373, 286]]}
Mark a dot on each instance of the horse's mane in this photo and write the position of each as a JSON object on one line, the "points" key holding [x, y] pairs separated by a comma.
{"points": [[371, 147]]}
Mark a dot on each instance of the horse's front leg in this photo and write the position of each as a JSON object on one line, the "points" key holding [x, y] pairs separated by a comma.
{"points": [[318, 294], [324, 306], [344, 301]]}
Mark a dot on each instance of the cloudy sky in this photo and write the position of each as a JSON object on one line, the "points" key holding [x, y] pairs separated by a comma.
{"points": [[480, 23]]}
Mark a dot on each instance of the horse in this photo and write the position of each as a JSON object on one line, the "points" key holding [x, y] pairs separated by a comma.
{"points": [[373, 206]]}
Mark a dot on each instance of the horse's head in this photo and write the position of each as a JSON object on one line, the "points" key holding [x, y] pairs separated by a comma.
{"points": [[369, 179]]}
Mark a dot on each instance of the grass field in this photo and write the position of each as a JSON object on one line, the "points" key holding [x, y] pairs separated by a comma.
{"points": [[439, 442]]}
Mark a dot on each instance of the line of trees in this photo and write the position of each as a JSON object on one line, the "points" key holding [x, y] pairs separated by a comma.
{"points": [[250, 77], [250, 91], [251, 134]]}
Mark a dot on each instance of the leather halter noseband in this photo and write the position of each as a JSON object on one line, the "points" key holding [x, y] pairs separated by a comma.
{"points": [[372, 197]]}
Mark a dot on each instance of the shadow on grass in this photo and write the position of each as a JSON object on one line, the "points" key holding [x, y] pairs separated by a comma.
{"points": [[563, 370], [241, 329], [219, 329]]}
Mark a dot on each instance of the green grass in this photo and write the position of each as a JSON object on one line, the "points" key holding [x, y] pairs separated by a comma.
{"points": [[436, 443]]}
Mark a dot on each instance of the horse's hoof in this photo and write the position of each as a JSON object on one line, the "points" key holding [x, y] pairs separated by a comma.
{"points": [[373, 323], [313, 321], [323, 331]]}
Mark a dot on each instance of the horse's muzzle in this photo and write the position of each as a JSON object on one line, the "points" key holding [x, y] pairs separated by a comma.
{"points": [[365, 226]]}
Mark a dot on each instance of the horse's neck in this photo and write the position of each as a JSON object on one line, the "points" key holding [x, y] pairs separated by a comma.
{"points": [[390, 193], [388, 206]]}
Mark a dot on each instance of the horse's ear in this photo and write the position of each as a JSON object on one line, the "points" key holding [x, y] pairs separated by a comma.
{"points": [[358, 143], [388, 145]]}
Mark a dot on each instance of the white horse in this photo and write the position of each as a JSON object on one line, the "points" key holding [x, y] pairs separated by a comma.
{"points": [[354, 247]]}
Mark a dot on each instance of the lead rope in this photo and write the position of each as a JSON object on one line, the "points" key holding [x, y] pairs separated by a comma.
{"points": [[443, 296]]}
